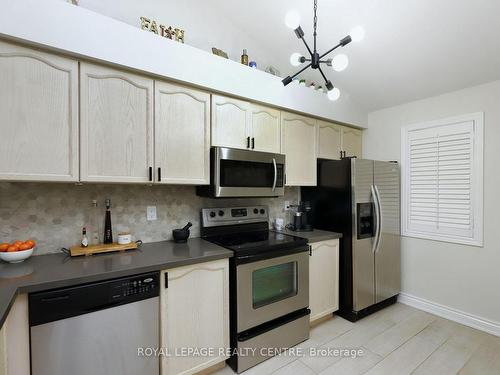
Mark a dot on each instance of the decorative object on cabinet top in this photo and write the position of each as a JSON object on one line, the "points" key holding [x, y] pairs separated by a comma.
{"points": [[219, 52], [169, 32]]}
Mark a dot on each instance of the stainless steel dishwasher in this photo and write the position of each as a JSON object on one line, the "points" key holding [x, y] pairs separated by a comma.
{"points": [[96, 328]]}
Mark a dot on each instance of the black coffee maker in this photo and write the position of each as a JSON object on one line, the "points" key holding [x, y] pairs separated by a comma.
{"points": [[302, 217]]}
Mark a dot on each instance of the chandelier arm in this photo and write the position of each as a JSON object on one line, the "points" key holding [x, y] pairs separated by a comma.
{"points": [[323, 74], [305, 43], [300, 71], [331, 50]]}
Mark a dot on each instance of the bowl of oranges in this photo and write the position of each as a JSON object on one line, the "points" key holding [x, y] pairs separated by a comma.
{"points": [[16, 251]]}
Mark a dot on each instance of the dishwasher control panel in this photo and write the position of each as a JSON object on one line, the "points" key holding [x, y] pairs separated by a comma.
{"points": [[138, 285], [63, 303]]}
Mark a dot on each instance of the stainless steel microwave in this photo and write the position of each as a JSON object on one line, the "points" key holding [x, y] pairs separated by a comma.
{"points": [[244, 173]]}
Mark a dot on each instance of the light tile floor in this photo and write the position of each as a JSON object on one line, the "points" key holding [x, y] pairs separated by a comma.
{"points": [[397, 340]]}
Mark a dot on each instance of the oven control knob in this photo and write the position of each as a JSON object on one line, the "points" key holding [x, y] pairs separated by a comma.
{"points": [[262, 211], [212, 214], [255, 211], [221, 213]]}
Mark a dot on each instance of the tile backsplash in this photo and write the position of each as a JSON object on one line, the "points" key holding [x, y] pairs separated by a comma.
{"points": [[54, 214]]}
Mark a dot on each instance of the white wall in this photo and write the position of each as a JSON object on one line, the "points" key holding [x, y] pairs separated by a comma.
{"points": [[461, 277], [205, 26]]}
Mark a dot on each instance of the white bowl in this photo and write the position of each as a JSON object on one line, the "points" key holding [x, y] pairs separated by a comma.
{"points": [[16, 256]]}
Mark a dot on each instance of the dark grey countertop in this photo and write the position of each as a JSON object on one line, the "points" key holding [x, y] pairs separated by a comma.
{"points": [[314, 236], [58, 270]]}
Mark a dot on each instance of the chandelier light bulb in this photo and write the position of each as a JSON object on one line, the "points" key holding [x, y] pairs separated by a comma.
{"points": [[292, 19], [357, 34], [295, 59], [340, 62], [333, 94]]}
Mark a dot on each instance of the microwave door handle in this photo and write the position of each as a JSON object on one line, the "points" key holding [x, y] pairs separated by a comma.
{"points": [[275, 174]]}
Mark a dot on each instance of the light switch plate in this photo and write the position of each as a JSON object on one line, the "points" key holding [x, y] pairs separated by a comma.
{"points": [[287, 205], [151, 213]]}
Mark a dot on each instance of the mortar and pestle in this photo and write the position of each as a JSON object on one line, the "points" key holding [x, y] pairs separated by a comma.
{"points": [[181, 235]]}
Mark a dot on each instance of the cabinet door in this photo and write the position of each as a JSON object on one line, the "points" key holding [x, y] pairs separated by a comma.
{"points": [[329, 140], [38, 115], [116, 125], [182, 134], [324, 279], [266, 129], [230, 122], [299, 145], [351, 142], [195, 314], [15, 340]]}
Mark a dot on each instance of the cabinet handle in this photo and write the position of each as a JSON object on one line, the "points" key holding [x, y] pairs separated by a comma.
{"points": [[150, 173], [159, 174], [253, 143], [248, 142], [310, 251], [166, 280]]}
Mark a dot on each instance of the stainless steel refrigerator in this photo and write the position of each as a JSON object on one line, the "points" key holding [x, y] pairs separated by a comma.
{"points": [[361, 199]]}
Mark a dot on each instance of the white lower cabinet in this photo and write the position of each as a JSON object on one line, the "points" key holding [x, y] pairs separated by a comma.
{"points": [[324, 278], [195, 315], [3, 352], [15, 340]]}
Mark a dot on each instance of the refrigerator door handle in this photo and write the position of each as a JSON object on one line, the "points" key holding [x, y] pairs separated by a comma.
{"points": [[379, 219]]}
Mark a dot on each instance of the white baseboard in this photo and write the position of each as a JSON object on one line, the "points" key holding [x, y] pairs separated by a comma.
{"points": [[458, 316]]}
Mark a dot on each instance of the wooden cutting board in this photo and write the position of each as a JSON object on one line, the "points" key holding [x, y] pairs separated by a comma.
{"points": [[101, 248]]}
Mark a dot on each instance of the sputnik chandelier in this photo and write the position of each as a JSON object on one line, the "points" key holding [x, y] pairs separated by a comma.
{"points": [[338, 62]]}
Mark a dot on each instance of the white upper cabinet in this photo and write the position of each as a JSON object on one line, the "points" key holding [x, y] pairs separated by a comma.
{"points": [[299, 144], [329, 140], [266, 129], [116, 125], [352, 142], [231, 122], [38, 115], [182, 134]]}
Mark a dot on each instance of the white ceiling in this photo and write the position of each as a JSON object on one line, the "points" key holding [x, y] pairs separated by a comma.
{"points": [[413, 48]]}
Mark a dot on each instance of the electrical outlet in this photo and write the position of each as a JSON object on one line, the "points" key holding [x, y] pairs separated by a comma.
{"points": [[151, 213], [287, 205]]}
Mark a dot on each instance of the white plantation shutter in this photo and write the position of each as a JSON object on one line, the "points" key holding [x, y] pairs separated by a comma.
{"points": [[442, 180]]}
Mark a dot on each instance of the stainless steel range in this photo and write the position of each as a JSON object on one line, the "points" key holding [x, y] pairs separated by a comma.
{"points": [[269, 282]]}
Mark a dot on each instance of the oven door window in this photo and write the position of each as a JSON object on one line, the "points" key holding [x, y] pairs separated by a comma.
{"points": [[274, 283], [236, 173]]}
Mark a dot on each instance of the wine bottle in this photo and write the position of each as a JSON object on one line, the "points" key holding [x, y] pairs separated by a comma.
{"points": [[108, 232]]}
